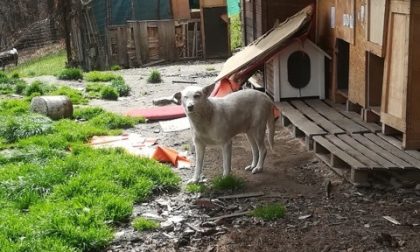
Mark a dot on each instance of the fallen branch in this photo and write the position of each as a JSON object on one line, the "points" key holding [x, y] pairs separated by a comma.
{"points": [[242, 195], [229, 216]]}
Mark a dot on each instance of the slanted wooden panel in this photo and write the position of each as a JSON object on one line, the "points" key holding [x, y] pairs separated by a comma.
{"points": [[143, 41], [333, 115], [122, 46], [137, 39], [367, 152], [345, 20], [381, 151], [338, 152], [353, 152], [300, 121], [394, 150], [153, 41], [394, 92], [181, 9], [269, 77], [317, 118]]}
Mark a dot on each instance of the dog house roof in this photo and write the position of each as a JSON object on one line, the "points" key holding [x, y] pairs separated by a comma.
{"points": [[269, 43]]}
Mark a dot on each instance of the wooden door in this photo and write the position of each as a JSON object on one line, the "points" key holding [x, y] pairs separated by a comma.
{"points": [[394, 91]]}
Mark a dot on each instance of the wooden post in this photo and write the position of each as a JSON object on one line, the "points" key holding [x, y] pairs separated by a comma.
{"points": [[65, 9]]}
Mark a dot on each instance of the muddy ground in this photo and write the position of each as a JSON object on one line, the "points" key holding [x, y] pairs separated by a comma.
{"points": [[346, 219]]}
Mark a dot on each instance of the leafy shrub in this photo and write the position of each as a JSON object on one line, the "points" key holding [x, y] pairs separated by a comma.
{"points": [[6, 88], [109, 93], [14, 106], [22, 126], [15, 75], [75, 95], [70, 74], [3, 76], [120, 85], [269, 212], [115, 67], [196, 188], [154, 77], [87, 113], [20, 86], [114, 121], [143, 224], [100, 76], [93, 89], [39, 88], [227, 183]]}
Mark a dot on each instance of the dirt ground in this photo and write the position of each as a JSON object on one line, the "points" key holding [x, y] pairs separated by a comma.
{"points": [[323, 212]]}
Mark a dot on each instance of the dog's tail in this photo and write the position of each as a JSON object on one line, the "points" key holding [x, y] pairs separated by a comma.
{"points": [[271, 128]]}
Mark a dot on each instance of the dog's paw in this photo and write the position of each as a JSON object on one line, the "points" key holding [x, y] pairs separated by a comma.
{"points": [[193, 181], [249, 168], [257, 170]]}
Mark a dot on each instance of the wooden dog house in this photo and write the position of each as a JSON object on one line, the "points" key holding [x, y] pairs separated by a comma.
{"points": [[296, 71]]}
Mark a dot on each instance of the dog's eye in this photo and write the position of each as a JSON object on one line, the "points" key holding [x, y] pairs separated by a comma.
{"points": [[196, 96]]}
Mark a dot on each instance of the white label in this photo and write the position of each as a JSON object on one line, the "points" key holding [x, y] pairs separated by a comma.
{"points": [[332, 17]]}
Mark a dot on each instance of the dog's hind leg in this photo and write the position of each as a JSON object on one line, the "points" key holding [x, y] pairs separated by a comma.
{"points": [[227, 158], [262, 150], [199, 159], [254, 148]]}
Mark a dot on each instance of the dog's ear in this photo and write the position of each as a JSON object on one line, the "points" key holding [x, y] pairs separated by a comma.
{"points": [[208, 89], [177, 98]]}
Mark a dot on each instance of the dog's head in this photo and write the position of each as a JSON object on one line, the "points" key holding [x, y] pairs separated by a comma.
{"points": [[192, 97]]}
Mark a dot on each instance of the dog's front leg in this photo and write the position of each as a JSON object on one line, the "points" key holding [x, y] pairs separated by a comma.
{"points": [[199, 159], [227, 158]]}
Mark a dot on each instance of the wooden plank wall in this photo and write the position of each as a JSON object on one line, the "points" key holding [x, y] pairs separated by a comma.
{"points": [[357, 92], [344, 8], [140, 42]]}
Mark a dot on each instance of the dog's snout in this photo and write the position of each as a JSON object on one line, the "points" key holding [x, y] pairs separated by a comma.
{"points": [[190, 107]]}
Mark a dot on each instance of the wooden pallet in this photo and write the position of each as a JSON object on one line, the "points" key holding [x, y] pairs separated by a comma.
{"points": [[351, 147]]}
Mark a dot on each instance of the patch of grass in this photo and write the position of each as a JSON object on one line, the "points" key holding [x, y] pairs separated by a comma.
{"points": [[95, 76], [120, 85], [50, 64], [39, 88], [22, 126], [74, 95], [109, 93], [154, 76], [143, 224], [235, 32], [20, 86], [70, 74], [93, 89], [269, 212], [115, 67], [114, 121], [87, 113], [14, 106], [227, 183], [196, 188]]}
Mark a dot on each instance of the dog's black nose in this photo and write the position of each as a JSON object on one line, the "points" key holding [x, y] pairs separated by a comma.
{"points": [[190, 108]]}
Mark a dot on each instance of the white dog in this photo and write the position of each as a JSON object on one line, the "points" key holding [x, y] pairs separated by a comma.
{"points": [[215, 121]]}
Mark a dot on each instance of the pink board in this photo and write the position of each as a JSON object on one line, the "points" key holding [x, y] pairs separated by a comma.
{"points": [[158, 113]]}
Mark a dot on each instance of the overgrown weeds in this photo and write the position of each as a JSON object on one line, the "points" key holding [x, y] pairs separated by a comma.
{"points": [[50, 64], [196, 188], [269, 212], [95, 76], [229, 182], [109, 93], [70, 74], [154, 76], [143, 224]]}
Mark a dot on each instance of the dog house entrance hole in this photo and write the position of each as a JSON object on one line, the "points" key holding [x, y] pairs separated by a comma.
{"points": [[299, 69]]}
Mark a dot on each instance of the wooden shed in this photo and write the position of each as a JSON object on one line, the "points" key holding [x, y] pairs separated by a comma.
{"points": [[259, 16]]}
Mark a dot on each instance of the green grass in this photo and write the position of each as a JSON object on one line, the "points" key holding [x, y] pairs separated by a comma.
{"points": [[51, 64], [154, 77], [74, 95], [115, 67], [115, 121], [269, 212], [70, 74], [87, 113], [143, 224], [109, 93], [96, 76], [235, 32], [195, 188], [122, 88], [59, 194], [227, 183]]}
